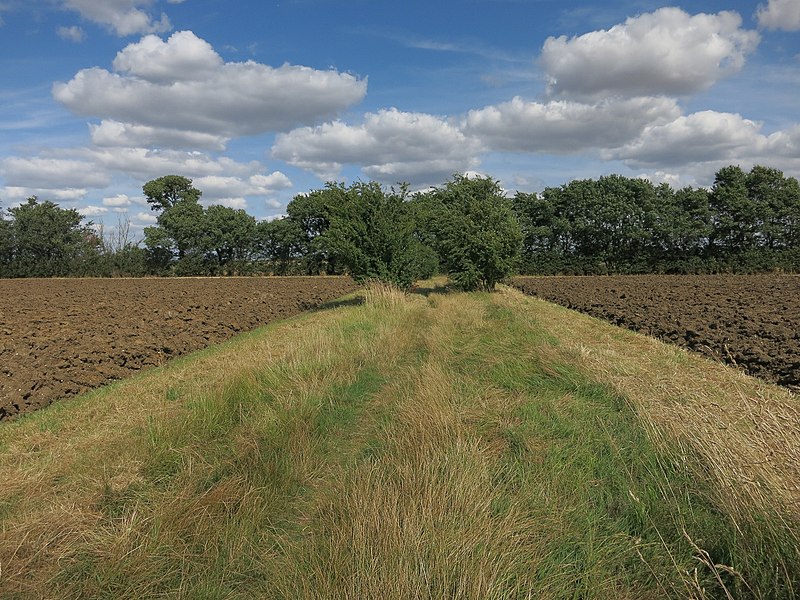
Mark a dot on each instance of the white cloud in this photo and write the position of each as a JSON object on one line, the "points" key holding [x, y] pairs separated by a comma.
{"points": [[674, 180], [236, 203], [69, 174], [52, 173], [19, 193], [183, 57], [704, 136], [125, 17], [231, 191], [786, 144], [118, 201], [145, 218], [779, 14], [389, 146], [71, 34], [273, 181], [664, 52], [93, 211], [566, 126], [182, 85], [143, 164], [113, 133]]}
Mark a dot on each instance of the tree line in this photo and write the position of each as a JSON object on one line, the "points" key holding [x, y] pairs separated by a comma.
{"points": [[746, 222], [466, 228]]}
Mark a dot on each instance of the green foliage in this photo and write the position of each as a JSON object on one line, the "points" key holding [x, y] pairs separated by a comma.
{"points": [[748, 222], [47, 240], [371, 232], [6, 246], [228, 233], [311, 215], [282, 242], [165, 192], [474, 231], [184, 223]]}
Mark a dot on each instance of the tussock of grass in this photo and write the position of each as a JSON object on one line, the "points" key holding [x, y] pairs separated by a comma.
{"points": [[421, 445]]}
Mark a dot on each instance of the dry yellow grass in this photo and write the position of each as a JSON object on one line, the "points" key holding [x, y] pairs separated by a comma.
{"points": [[746, 431], [420, 445]]}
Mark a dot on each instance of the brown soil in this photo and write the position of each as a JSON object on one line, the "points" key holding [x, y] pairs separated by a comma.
{"points": [[751, 321], [61, 337]]}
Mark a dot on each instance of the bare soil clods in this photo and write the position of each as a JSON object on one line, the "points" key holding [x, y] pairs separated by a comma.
{"points": [[62, 337], [751, 321]]}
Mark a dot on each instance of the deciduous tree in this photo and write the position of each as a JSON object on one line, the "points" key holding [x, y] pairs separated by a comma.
{"points": [[474, 230]]}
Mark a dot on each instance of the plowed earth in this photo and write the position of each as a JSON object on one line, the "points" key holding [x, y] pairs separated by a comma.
{"points": [[61, 337], [752, 322]]}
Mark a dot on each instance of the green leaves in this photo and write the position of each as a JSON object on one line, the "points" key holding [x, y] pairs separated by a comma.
{"points": [[474, 231], [44, 240], [371, 232], [165, 192]]}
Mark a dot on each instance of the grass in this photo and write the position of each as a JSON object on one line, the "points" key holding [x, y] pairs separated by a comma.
{"points": [[429, 445]]}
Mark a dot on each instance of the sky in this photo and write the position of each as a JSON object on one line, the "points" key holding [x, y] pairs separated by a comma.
{"points": [[260, 101]]}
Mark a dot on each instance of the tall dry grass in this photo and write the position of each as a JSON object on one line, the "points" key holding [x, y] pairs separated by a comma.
{"points": [[415, 445], [738, 434]]}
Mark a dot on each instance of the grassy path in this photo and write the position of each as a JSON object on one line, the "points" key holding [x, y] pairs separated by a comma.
{"points": [[434, 445]]}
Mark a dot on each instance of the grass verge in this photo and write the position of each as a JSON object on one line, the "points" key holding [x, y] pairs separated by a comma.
{"points": [[413, 446]]}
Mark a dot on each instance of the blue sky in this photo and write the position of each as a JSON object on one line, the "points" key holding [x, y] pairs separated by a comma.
{"points": [[260, 101]]}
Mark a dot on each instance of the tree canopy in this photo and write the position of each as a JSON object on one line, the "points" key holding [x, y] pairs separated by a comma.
{"points": [[473, 229], [748, 221], [165, 192]]}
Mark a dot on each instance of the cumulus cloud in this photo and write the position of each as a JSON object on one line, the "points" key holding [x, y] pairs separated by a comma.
{"points": [[124, 17], [52, 173], [779, 14], [71, 174], [118, 201], [71, 34], [93, 211], [665, 52], [704, 136], [231, 191], [389, 145], [113, 133], [182, 90], [145, 218], [143, 164], [566, 126], [183, 57], [17, 194]]}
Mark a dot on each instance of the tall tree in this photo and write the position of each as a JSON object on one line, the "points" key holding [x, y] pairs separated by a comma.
{"points": [[733, 213], [682, 227], [184, 223], [282, 242], [476, 235], [776, 201], [311, 213], [6, 245], [228, 233], [165, 192]]}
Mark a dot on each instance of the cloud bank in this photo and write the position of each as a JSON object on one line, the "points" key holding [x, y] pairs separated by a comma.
{"points": [[180, 91]]}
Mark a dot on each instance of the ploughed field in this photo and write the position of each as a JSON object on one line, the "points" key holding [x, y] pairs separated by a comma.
{"points": [[62, 337], [751, 321]]}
